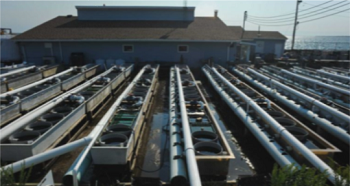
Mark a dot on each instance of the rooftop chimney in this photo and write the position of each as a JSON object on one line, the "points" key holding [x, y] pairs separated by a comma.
{"points": [[216, 13]]}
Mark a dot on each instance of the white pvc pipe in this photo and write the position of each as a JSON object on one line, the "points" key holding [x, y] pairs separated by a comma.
{"points": [[335, 113], [101, 125], [36, 83], [311, 116], [44, 156], [273, 148], [22, 121], [295, 143], [177, 165], [305, 70], [343, 78], [336, 89], [308, 73], [192, 167], [39, 158], [330, 78], [266, 71], [16, 71], [337, 70]]}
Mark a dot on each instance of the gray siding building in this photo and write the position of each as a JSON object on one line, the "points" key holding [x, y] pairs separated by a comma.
{"points": [[266, 42], [143, 34]]}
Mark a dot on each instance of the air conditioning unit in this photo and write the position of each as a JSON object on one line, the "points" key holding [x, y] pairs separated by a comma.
{"points": [[49, 60]]}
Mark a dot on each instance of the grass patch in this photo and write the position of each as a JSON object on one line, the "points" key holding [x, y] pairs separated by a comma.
{"points": [[292, 176], [305, 176], [8, 177]]}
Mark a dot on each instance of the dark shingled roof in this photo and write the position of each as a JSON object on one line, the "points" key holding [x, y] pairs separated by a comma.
{"points": [[250, 35], [237, 30], [70, 28]]}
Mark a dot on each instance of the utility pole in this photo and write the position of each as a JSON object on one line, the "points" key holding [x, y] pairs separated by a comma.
{"points": [[295, 22], [244, 19]]}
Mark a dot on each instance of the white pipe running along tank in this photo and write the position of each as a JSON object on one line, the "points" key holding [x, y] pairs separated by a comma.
{"points": [[272, 147], [22, 121], [339, 71], [36, 83], [335, 76], [315, 75], [327, 125], [343, 119], [328, 112], [39, 158], [313, 91], [330, 87], [283, 132], [76, 171], [44, 156], [325, 76], [16, 71], [178, 174], [192, 167]]}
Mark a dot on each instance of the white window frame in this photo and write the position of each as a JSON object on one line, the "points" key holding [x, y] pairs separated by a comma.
{"points": [[178, 47], [128, 51]]}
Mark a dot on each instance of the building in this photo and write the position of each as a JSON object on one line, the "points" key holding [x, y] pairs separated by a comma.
{"points": [[144, 34], [9, 50], [266, 42]]}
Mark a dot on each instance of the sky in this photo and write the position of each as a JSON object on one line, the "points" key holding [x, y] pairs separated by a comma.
{"points": [[24, 15]]}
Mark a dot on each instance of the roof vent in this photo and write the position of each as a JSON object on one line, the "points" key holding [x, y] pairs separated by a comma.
{"points": [[216, 13], [68, 16]]}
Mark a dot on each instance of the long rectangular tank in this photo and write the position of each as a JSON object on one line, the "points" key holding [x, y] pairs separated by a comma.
{"points": [[41, 132]]}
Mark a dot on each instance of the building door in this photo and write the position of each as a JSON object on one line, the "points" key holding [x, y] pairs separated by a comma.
{"points": [[259, 49], [245, 53], [48, 49], [278, 49]]}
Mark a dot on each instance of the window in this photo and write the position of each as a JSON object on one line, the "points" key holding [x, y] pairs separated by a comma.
{"points": [[48, 45], [48, 49], [128, 48], [182, 48]]}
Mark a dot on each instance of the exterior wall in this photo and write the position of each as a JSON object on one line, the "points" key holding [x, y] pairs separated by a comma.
{"points": [[179, 14], [9, 49], [144, 51], [270, 44], [34, 52]]}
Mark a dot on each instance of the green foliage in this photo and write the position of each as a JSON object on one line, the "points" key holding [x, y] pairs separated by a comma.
{"points": [[342, 173], [342, 176], [8, 177], [292, 176]]}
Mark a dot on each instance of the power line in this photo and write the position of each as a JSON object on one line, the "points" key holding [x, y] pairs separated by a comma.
{"points": [[269, 25], [303, 15], [325, 16], [326, 8], [293, 13], [303, 21]]}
